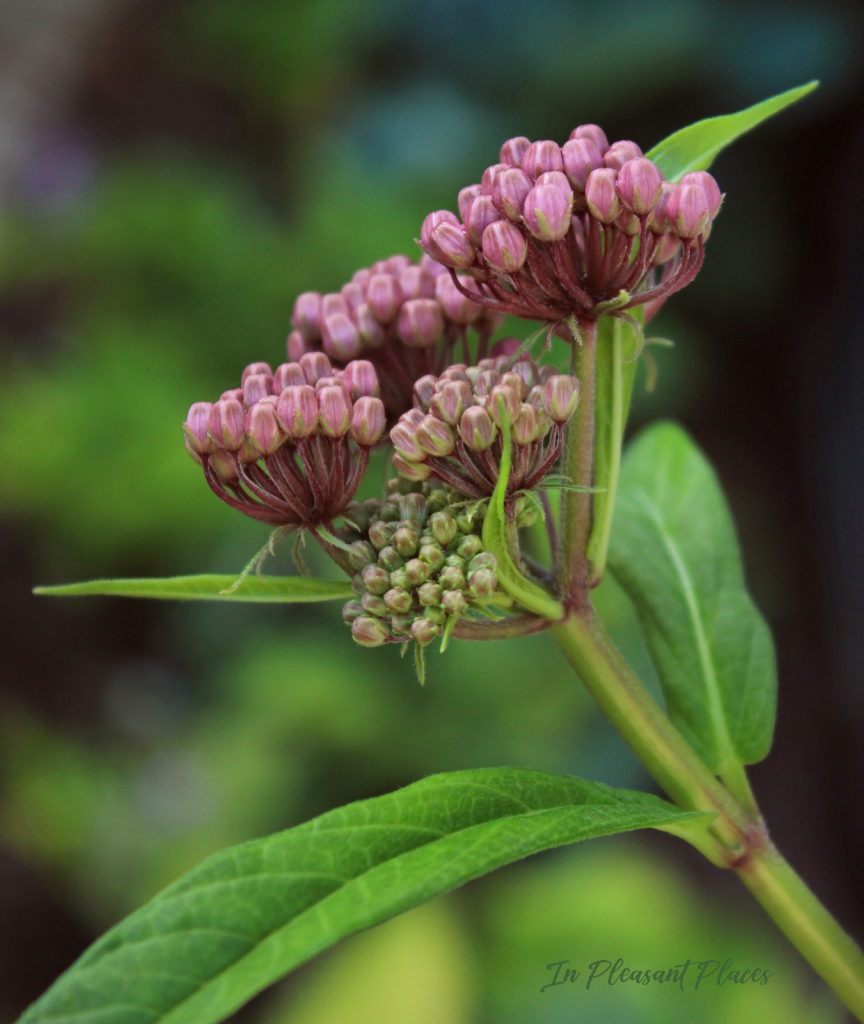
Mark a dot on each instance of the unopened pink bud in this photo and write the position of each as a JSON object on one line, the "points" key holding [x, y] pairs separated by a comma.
{"points": [[547, 212], [688, 210], [416, 283], [488, 179], [457, 307], [502, 395], [424, 389], [561, 396], [315, 365], [432, 221], [369, 631], [509, 192], [296, 346], [353, 294], [712, 189], [420, 323], [435, 268], [436, 438], [477, 429], [404, 439], [372, 334], [658, 222], [619, 153], [485, 380], [602, 196], [505, 248], [452, 246], [594, 133], [287, 373], [341, 338], [227, 424], [334, 411], [196, 428], [331, 304], [254, 368], [513, 150], [256, 387], [639, 185], [452, 400], [384, 297], [466, 197], [307, 315], [416, 471], [262, 428], [481, 214], [235, 393], [667, 248], [525, 425], [368, 421], [557, 179], [514, 380], [540, 157], [396, 264], [297, 410], [361, 277], [223, 465], [455, 372], [628, 222], [424, 631], [360, 378]]}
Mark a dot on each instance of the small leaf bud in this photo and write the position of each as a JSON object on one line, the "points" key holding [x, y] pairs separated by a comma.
{"points": [[351, 610], [196, 428], [560, 397], [369, 632], [297, 410], [540, 157], [505, 248], [477, 429], [592, 132], [466, 197], [315, 365], [398, 601], [307, 316], [436, 437], [227, 424], [372, 604], [602, 196], [417, 572], [619, 153], [429, 594], [513, 150], [639, 185], [420, 323], [368, 420], [453, 602], [443, 527], [375, 578], [469, 546], [482, 583]]}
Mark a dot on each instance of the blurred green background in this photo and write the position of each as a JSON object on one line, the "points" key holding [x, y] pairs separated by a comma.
{"points": [[205, 163]]}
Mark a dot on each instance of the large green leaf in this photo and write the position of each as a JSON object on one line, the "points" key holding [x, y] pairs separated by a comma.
{"points": [[250, 914], [693, 148], [275, 589], [674, 551]]}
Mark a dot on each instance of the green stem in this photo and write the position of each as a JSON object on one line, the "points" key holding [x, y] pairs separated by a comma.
{"points": [[577, 464]]}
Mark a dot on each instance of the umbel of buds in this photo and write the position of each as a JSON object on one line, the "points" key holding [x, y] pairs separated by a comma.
{"points": [[406, 318], [454, 432], [419, 563], [289, 448], [558, 231]]}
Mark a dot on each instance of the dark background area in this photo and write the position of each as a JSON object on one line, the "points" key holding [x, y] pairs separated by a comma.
{"points": [[172, 174]]}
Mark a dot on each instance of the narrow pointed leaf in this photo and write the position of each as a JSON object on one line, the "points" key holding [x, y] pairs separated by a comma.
{"points": [[274, 589], [693, 148], [248, 915], [675, 552]]}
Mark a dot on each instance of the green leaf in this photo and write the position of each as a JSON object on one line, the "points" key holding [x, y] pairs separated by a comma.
{"points": [[248, 915], [675, 553], [275, 589], [694, 148], [496, 540]]}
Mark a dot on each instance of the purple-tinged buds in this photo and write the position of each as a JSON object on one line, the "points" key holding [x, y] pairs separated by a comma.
{"points": [[286, 374], [561, 396], [628, 222], [404, 439], [375, 578], [424, 389], [712, 189], [432, 221], [619, 153], [360, 378], [452, 400], [458, 308], [361, 277], [235, 393], [540, 157], [466, 197], [509, 192], [443, 528], [502, 395], [658, 222], [372, 604], [362, 553], [396, 264], [316, 365], [433, 266], [488, 179], [516, 381], [262, 428], [416, 283], [415, 471], [525, 426], [558, 179], [384, 297], [436, 438], [350, 611], [413, 507], [639, 185], [406, 540], [482, 583], [477, 429], [505, 248], [667, 247], [254, 368], [370, 330], [514, 150], [332, 303], [547, 212], [469, 546], [424, 631], [334, 411], [451, 246], [369, 631], [353, 294], [228, 424], [398, 601], [298, 411], [420, 323], [602, 196], [256, 387], [453, 602], [296, 346], [594, 133], [430, 595], [485, 381], [581, 157], [307, 316], [451, 576], [368, 420], [417, 571], [196, 428], [341, 338], [688, 210], [223, 465], [390, 558], [432, 555], [381, 534], [481, 214]]}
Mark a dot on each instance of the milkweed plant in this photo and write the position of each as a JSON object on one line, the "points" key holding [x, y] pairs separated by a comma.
{"points": [[486, 442]]}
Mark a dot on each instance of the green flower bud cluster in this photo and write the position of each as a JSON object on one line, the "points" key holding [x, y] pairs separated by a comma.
{"points": [[419, 566]]}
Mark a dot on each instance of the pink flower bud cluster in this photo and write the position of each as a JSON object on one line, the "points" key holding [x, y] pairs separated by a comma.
{"points": [[454, 432], [404, 317], [289, 447], [552, 231]]}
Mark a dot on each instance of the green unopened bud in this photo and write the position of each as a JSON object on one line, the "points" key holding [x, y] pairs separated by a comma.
{"points": [[374, 605], [401, 623], [436, 615], [362, 553], [389, 511], [429, 594], [453, 602], [398, 600], [376, 579], [399, 578], [413, 506], [424, 631], [484, 560], [443, 527], [358, 514], [418, 572], [436, 501], [406, 540], [381, 534], [369, 632], [482, 583], [451, 577], [390, 558], [527, 517], [470, 546], [466, 523], [351, 610], [456, 561], [432, 555]]}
